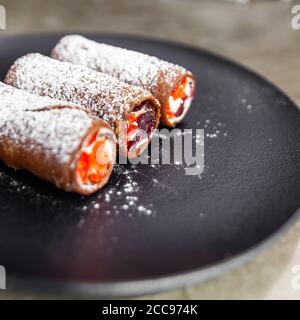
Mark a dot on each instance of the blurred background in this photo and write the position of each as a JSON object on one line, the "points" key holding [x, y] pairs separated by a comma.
{"points": [[255, 33]]}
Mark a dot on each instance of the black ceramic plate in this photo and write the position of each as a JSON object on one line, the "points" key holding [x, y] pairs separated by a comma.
{"points": [[188, 228]]}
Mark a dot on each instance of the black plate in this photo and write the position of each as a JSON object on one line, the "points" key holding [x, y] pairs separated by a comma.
{"points": [[192, 227]]}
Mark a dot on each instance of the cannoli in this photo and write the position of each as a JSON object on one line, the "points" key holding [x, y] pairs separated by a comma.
{"points": [[58, 141], [171, 84], [126, 108]]}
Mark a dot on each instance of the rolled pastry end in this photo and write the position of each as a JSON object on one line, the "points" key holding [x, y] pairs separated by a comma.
{"points": [[139, 128], [95, 161], [179, 101]]}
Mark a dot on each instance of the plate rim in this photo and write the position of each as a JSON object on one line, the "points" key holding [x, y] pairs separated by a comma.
{"points": [[155, 285]]}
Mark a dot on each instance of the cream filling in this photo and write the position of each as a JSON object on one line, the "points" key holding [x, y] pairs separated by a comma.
{"points": [[134, 133], [175, 104], [108, 148]]}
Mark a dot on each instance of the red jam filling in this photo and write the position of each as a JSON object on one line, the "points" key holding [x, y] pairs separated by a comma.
{"points": [[180, 93], [141, 118], [93, 163]]}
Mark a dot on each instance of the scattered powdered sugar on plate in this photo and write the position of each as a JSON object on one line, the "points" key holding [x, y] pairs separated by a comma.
{"points": [[122, 197], [246, 105], [214, 129], [16, 183]]}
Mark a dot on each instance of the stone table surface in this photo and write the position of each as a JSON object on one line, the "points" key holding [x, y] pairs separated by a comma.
{"points": [[258, 35]]}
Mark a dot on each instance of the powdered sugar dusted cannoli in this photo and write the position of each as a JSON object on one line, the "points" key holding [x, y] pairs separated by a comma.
{"points": [[171, 84], [105, 96], [58, 141]]}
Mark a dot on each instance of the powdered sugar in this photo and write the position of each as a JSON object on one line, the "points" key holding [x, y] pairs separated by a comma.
{"points": [[126, 65], [107, 97], [39, 123], [214, 129], [45, 137], [122, 197]]}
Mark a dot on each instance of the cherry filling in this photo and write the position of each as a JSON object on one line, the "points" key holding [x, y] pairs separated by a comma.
{"points": [[140, 124], [94, 162], [180, 98]]}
